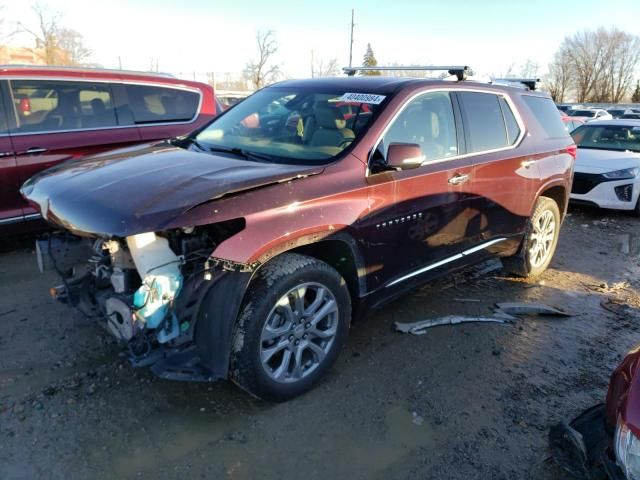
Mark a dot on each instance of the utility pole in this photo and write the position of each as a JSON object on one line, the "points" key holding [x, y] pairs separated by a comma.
{"points": [[351, 41], [312, 73], [119, 62]]}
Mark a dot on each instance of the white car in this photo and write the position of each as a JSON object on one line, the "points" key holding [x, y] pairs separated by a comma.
{"points": [[607, 168], [591, 114]]}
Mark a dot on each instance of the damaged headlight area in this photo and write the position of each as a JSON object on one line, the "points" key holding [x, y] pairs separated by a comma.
{"points": [[627, 449], [137, 286]]}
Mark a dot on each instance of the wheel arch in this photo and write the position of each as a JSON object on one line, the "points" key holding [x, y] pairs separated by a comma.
{"points": [[340, 252], [558, 194]]}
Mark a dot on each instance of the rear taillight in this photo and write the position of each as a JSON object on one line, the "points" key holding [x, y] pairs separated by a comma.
{"points": [[573, 151], [25, 106]]}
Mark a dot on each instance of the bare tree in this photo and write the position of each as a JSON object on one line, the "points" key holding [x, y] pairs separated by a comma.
{"points": [[71, 45], [262, 71], [600, 64], [529, 69], [322, 68], [558, 81], [45, 35], [54, 44]]}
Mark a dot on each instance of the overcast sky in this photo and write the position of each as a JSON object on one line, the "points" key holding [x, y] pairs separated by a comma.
{"points": [[219, 35]]}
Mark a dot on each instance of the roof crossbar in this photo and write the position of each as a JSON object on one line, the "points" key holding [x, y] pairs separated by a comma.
{"points": [[530, 83], [460, 71]]}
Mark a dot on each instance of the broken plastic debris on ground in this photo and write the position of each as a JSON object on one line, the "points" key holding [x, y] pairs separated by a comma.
{"points": [[505, 312]]}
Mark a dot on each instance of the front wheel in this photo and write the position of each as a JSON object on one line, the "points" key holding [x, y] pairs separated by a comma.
{"points": [[291, 327], [540, 241]]}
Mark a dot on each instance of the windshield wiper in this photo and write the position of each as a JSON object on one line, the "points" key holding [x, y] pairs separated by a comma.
{"points": [[239, 152]]}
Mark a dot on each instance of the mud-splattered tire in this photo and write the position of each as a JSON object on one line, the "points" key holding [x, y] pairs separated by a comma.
{"points": [[540, 241], [291, 327]]}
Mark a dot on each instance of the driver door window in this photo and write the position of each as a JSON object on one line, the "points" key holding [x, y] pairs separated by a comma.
{"points": [[427, 121]]}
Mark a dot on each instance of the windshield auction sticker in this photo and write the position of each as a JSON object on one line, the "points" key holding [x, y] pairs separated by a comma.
{"points": [[362, 98]]}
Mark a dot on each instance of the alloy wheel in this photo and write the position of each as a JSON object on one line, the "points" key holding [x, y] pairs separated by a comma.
{"points": [[542, 238], [299, 332]]}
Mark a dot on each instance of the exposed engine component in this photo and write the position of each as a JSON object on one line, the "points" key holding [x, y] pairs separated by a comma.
{"points": [[120, 319], [159, 269]]}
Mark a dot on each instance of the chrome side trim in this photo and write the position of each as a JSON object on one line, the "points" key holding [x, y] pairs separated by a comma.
{"points": [[8, 220], [453, 258], [21, 218]]}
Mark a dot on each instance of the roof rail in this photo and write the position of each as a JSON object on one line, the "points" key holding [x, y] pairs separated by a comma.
{"points": [[529, 83], [86, 69], [459, 71]]}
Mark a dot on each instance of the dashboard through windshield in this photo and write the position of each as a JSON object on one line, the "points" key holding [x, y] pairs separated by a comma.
{"points": [[608, 137], [291, 126]]}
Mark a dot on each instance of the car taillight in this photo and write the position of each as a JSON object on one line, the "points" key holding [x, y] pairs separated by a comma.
{"points": [[25, 106], [573, 151]]}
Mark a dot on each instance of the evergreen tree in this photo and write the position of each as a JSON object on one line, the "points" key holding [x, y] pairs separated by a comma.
{"points": [[635, 98], [369, 60]]}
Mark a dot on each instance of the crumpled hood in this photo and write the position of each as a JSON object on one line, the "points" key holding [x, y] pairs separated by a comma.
{"points": [[590, 160], [134, 190]]}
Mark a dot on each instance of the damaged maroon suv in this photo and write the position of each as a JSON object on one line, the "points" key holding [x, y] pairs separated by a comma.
{"points": [[244, 250]]}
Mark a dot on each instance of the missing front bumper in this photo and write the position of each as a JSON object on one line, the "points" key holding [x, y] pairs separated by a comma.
{"points": [[582, 447]]}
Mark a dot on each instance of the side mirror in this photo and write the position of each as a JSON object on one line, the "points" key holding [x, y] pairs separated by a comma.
{"points": [[404, 156]]}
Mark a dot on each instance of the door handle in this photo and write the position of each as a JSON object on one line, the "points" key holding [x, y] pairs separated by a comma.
{"points": [[35, 150], [528, 163], [459, 179]]}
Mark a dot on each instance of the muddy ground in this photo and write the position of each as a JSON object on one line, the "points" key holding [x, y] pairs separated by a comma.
{"points": [[465, 401]]}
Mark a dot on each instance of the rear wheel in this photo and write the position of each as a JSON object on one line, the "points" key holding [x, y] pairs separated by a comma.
{"points": [[539, 244], [291, 327]]}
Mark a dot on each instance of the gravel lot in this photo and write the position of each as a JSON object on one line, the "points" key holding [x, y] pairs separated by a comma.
{"points": [[465, 401]]}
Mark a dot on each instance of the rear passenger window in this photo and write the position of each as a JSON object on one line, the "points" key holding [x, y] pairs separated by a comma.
{"points": [[157, 104], [513, 130], [484, 122], [426, 121], [49, 106], [547, 115]]}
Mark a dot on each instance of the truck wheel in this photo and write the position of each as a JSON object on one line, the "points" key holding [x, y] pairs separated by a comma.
{"points": [[291, 327], [540, 241]]}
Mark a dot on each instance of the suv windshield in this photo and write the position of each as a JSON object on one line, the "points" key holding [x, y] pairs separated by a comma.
{"points": [[289, 125], [608, 137]]}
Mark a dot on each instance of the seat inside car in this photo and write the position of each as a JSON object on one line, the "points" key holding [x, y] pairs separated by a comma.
{"points": [[331, 130]]}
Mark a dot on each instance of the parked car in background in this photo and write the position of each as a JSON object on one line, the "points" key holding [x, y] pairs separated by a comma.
{"points": [[228, 98], [591, 114], [604, 440], [632, 116], [607, 169], [616, 112], [244, 250], [563, 107], [571, 123], [52, 114]]}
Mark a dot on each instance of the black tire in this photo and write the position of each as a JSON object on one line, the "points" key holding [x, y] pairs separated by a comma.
{"points": [[522, 264], [272, 282], [636, 211]]}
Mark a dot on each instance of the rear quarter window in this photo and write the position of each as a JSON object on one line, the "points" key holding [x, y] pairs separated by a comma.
{"points": [[546, 113], [151, 104], [484, 121]]}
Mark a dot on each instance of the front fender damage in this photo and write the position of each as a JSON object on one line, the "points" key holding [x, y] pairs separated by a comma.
{"points": [[162, 294]]}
